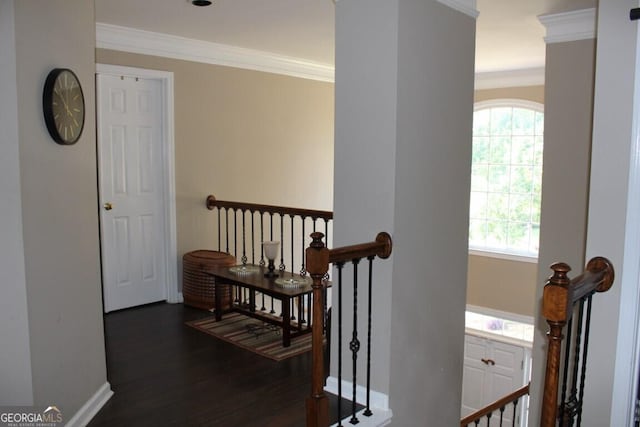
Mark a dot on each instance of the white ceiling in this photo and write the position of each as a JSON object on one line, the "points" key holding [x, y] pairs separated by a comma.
{"points": [[509, 35]]}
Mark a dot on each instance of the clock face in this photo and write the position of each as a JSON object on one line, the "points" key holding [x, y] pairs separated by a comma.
{"points": [[63, 104]]}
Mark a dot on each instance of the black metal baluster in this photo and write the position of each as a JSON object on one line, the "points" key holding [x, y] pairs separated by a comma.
{"points": [[515, 407], [272, 311], [354, 345], [226, 226], [567, 352], [309, 307], [326, 233], [584, 359], [219, 246], [326, 230], [367, 411], [576, 362], [235, 233], [292, 259], [252, 216], [293, 317], [339, 267], [281, 267], [501, 415], [489, 419], [244, 239], [261, 239], [253, 238], [303, 271]]}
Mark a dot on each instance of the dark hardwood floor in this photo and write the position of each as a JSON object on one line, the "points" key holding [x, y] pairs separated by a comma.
{"points": [[164, 373]]}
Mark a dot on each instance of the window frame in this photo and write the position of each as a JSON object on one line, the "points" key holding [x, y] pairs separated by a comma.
{"points": [[498, 103]]}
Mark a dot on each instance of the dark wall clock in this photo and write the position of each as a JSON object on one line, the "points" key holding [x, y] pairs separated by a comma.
{"points": [[63, 106]]}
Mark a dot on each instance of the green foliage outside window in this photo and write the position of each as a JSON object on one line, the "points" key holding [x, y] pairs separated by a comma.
{"points": [[506, 180]]}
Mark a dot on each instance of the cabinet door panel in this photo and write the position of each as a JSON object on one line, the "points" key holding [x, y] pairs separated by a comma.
{"points": [[486, 382]]}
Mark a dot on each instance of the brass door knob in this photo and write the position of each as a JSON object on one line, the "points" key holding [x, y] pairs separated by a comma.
{"points": [[108, 206]]}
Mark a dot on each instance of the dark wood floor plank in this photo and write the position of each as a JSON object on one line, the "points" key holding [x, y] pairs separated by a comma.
{"points": [[165, 373]]}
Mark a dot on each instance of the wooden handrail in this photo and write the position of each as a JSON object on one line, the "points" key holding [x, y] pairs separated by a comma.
{"points": [[381, 248], [500, 403], [559, 296], [318, 260], [212, 203]]}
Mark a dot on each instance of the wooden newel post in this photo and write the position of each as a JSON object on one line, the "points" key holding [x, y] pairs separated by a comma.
{"points": [[317, 404], [556, 305]]}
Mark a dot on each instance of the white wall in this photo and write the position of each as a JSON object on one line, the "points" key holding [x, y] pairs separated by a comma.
{"points": [[613, 218], [435, 111], [365, 139], [15, 359], [404, 104]]}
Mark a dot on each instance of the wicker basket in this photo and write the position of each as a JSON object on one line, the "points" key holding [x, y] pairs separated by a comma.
{"points": [[198, 288]]}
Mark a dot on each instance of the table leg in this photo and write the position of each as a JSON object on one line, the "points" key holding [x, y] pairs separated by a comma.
{"points": [[218, 303], [252, 300], [286, 322]]}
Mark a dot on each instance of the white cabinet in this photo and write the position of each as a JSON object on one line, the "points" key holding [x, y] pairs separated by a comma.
{"points": [[492, 369]]}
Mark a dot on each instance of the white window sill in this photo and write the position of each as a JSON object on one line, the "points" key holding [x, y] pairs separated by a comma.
{"points": [[501, 255]]}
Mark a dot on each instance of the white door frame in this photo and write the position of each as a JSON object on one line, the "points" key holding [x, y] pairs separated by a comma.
{"points": [[625, 391], [168, 167]]}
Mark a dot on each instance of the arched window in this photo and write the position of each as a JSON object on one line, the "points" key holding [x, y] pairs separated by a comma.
{"points": [[506, 177]]}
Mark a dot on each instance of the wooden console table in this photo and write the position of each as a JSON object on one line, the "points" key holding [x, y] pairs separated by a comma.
{"points": [[256, 282]]}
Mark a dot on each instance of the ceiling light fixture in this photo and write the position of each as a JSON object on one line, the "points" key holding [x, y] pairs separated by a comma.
{"points": [[201, 2]]}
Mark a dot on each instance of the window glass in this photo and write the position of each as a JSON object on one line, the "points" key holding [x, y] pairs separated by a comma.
{"points": [[506, 178]]}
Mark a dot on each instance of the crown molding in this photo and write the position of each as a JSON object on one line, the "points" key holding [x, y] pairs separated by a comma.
{"points": [[131, 40], [510, 78], [468, 7], [142, 42], [569, 26]]}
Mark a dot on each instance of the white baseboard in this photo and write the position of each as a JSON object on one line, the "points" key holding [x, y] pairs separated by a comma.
{"points": [[179, 300], [378, 402], [379, 418], [91, 407]]}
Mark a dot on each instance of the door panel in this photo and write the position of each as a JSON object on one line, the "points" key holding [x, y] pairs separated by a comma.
{"points": [[485, 382], [130, 163]]}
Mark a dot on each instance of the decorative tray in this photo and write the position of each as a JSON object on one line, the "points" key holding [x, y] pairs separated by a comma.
{"points": [[293, 282], [244, 269]]}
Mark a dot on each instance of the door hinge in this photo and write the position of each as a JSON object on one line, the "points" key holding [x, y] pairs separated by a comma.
{"points": [[636, 412]]}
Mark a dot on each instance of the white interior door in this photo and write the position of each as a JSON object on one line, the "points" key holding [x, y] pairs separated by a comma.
{"points": [[132, 218]]}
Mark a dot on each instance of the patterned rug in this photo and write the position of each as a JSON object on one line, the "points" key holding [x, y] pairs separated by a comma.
{"points": [[253, 335]]}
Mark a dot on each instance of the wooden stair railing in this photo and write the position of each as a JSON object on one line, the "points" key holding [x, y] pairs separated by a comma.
{"points": [[499, 405], [318, 259], [243, 226], [563, 301]]}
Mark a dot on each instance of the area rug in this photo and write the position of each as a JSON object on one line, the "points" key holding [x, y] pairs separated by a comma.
{"points": [[253, 335]]}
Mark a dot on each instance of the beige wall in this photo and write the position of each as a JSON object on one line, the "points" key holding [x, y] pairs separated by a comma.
{"points": [[499, 283], [502, 284], [569, 80], [59, 209], [243, 135]]}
